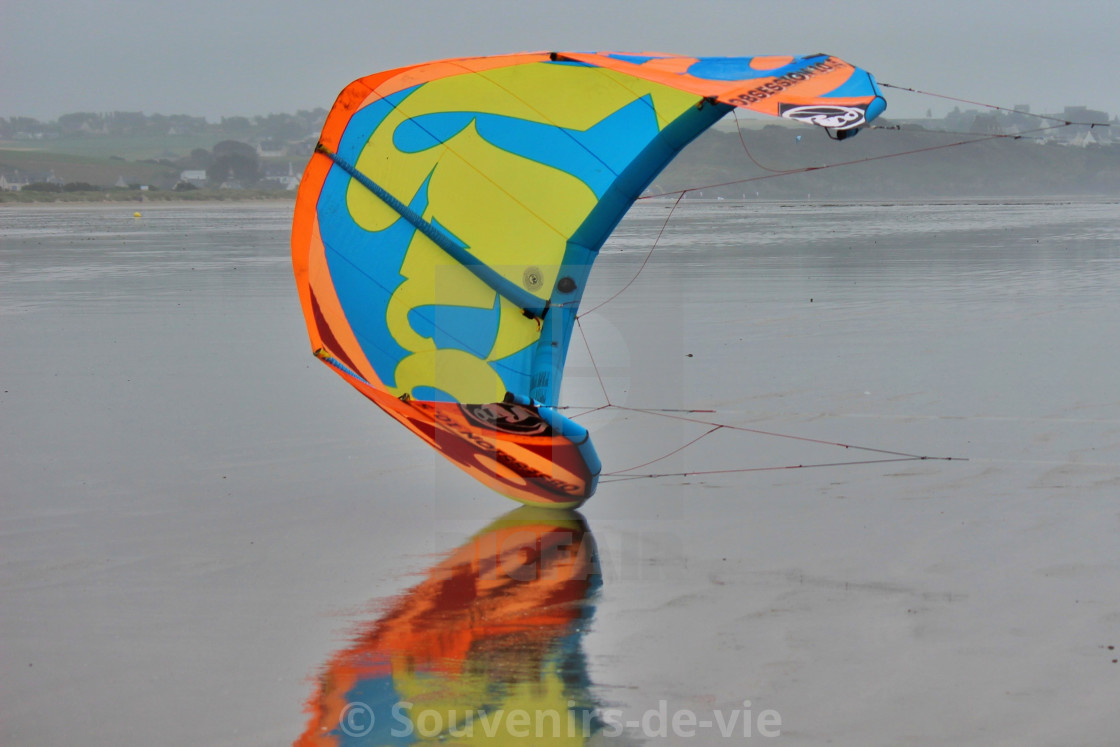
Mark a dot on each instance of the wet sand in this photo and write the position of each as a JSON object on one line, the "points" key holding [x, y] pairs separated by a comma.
{"points": [[197, 516]]}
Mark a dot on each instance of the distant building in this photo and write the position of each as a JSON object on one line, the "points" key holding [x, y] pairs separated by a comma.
{"points": [[1085, 115], [288, 181], [195, 177], [1084, 139], [271, 148], [13, 183], [1084, 131]]}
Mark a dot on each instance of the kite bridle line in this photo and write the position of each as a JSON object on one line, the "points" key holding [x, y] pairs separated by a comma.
{"points": [[533, 309], [972, 139], [621, 477], [629, 474], [713, 426], [1061, 122], [888, 455], [1064, 122], [645, 261], [867, 159]]}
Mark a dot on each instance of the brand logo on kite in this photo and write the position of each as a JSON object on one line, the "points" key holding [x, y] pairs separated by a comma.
{"points": [[506, 418], [831, 116]]}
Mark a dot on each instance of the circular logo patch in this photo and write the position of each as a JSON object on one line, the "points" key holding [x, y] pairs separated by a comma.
{"points": [[836, 117], [506, 418]]}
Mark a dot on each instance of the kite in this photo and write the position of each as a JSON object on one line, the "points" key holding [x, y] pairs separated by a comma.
{"points": [[447, 223]]}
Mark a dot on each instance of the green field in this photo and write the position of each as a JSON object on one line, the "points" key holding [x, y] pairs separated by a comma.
{"points": [[106, 160], [84, 168], [162, 195], [131, 147]]}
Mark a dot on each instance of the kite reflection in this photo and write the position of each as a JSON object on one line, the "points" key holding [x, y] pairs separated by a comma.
{"points": [[485, 650]]}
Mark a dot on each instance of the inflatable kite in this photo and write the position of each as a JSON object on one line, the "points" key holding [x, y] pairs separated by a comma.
{"points": [[449, 219]]}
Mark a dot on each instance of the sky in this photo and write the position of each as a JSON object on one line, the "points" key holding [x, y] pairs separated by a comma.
{"points": [[220, 58]]}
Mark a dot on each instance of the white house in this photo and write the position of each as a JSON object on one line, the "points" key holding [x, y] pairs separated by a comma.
{"points": [[288, 181], [15, 184], [197, 177]]}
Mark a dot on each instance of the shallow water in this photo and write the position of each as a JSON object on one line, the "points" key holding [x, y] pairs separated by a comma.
{"points": [[199, 520]]}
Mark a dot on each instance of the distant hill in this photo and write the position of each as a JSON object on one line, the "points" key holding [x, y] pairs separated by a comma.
{"points": [[154, 153], [119, 149]]}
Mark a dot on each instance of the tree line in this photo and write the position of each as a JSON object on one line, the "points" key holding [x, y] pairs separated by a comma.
{"points": [[280, 127]]}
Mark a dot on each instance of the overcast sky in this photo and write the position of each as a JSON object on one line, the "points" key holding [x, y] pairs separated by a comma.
{"points": [[217, 58]]}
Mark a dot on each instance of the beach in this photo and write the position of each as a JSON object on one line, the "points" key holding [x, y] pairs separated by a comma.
{"points": [[198, 516]]}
